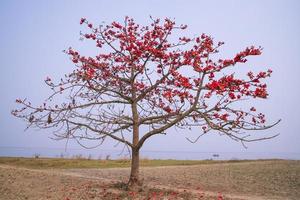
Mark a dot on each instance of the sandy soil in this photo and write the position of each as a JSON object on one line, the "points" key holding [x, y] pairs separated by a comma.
{"points": [[215, 181]]}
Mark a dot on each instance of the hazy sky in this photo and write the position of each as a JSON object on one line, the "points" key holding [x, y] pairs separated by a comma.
{"points": [[34, 33]]}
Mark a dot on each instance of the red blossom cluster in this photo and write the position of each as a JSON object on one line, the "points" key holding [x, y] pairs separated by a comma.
{"points": [[236, 88], [143, 66], [241, 57], [133, 45]]}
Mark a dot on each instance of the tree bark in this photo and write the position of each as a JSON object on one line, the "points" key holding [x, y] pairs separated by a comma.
{"points": [[134, 180]]}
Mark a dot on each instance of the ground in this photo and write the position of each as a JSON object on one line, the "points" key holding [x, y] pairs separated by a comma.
{"points": [[268, 179]]}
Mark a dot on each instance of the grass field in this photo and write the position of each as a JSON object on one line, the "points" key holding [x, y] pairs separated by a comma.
{"points": [[62, 163], [72, 179]]}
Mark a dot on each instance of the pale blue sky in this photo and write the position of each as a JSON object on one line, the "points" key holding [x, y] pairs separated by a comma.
{"points": [[34, 33]]}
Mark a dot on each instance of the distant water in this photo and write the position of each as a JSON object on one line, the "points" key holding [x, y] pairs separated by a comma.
{"points": [[117, 153]]}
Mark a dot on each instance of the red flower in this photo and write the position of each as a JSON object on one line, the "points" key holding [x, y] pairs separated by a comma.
{"points": [[167, 109], [82, 20], [231, 95], [184, 82], [183, 27], [254, 51], [260, 92], [115, 24], [90, 73], [213, 85], [75, 60], [168, 95], [224, 117], [227, 63]]}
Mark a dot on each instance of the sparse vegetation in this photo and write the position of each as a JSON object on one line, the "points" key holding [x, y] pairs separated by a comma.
{"points": [[79, 161], [236, 179]]}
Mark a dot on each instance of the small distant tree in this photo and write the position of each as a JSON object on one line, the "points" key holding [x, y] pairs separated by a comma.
{"points": [[141, 79]]}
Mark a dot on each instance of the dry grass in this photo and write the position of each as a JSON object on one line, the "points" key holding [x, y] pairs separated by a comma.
{"points": [[267, 179], [275, 179], [63, 163]]}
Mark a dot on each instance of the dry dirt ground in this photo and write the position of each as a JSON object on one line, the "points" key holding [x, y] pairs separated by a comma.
{"points": [[248, 180]]}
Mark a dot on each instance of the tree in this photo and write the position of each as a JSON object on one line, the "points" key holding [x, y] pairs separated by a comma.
{"points": [[142, 79]]}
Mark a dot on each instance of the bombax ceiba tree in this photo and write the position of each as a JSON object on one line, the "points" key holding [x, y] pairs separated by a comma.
{"points": [[143, 80]]}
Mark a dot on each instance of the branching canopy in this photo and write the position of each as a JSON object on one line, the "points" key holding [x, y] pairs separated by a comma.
{"points": [[171, 83]]}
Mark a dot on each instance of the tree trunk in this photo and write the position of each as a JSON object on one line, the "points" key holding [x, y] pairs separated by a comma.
{"points": [[134, 181]]}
